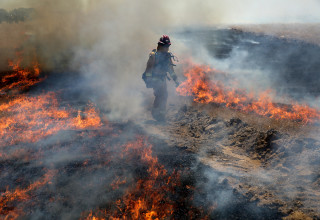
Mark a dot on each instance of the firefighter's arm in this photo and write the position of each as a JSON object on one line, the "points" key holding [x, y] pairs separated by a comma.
{"points": [[173, 75]]}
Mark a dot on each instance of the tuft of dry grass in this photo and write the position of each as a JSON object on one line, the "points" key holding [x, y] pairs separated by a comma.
{"points": [[297, 215]]}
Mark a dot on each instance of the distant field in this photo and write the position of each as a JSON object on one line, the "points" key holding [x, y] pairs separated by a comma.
{"points": [[306, 32]]}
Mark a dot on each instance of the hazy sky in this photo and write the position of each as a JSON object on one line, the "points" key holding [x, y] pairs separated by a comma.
{"points": [[212, 11]]}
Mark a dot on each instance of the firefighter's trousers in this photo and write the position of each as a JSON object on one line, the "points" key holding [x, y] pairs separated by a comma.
{"points": [[160, 102]]}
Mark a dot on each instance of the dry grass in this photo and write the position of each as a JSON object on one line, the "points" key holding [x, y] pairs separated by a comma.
{"points": [[263, 123]]}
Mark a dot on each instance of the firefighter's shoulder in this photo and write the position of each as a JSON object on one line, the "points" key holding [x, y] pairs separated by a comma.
{"points": [[153, 53]]}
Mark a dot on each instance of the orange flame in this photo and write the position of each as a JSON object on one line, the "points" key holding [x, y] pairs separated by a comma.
{"points": [[20, 78], [29, 119], [90, 119], [20, 195], [201, 85], [148, 199]]}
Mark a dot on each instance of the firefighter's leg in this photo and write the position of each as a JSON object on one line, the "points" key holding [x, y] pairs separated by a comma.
{"points": [[163, 98], [160, 101]]}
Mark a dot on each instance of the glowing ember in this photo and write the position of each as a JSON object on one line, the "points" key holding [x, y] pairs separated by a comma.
{"points": [[28, 119], [115, 184], [201, 85], [20, 78]]}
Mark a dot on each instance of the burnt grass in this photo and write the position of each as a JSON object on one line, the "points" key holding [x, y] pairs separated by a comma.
{"points": [[268, 164]]}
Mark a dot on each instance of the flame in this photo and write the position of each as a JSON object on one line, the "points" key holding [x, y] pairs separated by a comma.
{"points": [[90, 119], [152, 203], [148, 199], [200, 85], [9, 199], [29, 119], [20, 78]]}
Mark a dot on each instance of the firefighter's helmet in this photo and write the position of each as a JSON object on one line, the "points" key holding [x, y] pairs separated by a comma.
{"points": [[164, 41]]}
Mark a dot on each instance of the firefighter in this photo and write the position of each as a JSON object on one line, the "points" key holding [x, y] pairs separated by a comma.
{"points": [[159, 64]]}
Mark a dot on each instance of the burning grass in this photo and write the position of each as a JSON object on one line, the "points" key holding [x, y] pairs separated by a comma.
{"points": [[29, 119], [69, 164], [20, 78], [114, 180], [152, 197], [92, 148], [11, 200], [201, 83]]}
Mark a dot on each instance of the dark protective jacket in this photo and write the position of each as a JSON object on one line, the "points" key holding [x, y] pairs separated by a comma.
{"points": [[159, 64]]}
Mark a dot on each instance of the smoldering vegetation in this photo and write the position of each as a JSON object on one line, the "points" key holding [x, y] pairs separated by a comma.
{"points": [[77, 173], [89, 174]]}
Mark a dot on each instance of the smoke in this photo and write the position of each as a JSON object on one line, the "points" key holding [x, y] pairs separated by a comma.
{"points": [[258, 62], [109, 41]]}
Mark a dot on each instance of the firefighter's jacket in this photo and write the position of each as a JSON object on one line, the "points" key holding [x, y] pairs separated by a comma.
{"points": [[159, 64]]}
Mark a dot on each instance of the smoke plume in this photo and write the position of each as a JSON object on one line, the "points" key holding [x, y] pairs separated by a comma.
{"points": [[109, 41]]}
